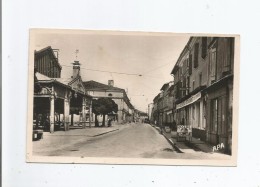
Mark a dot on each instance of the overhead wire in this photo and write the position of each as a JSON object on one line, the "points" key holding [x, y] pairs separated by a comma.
{"points": [[156, 68], [107, 71]]}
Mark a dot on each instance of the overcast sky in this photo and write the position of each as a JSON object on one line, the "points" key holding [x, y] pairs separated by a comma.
{"points": [[152, 56]]}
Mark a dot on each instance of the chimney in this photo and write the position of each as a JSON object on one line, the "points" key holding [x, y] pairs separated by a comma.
{"points": [[76, 69], [111, 83]]}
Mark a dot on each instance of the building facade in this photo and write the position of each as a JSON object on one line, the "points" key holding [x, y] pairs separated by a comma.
{"points": [[219, 91], [190, 78], [155, 110], [99, 90], [203, 79], [47, 62], [56, 100]]}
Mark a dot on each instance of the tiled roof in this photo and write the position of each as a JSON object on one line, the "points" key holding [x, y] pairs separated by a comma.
{"points": [[41, 77], [93, 85], [50, 50], [64, 80], [164, 86]]}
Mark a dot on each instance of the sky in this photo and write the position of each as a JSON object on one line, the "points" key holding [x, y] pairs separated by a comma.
{"points": [[140, 62]]}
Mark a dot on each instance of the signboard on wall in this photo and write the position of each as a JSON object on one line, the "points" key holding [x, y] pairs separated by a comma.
{"points": [[184, 131], [189, 101]]}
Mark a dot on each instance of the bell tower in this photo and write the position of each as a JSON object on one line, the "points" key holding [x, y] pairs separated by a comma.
{"points": [[76, 66], [76, 69]]}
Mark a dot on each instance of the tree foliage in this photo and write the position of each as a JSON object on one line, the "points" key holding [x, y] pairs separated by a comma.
{"points": [[103, 106]]}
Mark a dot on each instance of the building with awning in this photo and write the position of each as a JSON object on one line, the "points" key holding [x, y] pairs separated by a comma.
{"points": [[203, 79]]}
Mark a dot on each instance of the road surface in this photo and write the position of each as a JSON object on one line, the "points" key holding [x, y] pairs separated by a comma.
{"points": [[133, 141], [137, 140]]}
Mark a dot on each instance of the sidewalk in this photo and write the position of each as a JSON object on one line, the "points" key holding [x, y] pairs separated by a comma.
{"points": [[62, 139], [185, 145], [79, 131]]}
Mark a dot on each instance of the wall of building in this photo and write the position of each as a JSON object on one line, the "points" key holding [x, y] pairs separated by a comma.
{"points": [[110, 94], [201, 51], [47, 64], [221, 95]]}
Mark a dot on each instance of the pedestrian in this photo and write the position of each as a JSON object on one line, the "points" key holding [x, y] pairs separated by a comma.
{"points": [[182, 121], [109, 123], [161, 128], [174, 125]]}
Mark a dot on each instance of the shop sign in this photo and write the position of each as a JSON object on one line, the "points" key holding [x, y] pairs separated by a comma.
{"points": [[189, 101], [184, 130]]}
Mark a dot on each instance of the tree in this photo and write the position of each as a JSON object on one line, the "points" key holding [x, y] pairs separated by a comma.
{"points": [[103, 106]]}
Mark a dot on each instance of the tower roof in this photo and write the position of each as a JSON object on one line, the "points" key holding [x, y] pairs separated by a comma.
{"points": [[76, 63]]}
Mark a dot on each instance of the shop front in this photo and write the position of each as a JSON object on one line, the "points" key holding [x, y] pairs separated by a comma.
{"points": [[219, 113], [189, 115]]}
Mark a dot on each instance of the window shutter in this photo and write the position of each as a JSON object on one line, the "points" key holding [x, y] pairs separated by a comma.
{"points": [[204, 47], [190, 64], [196, 55]]}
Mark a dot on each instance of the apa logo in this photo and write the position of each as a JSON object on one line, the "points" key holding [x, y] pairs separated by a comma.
{"points": [[219, 146]]}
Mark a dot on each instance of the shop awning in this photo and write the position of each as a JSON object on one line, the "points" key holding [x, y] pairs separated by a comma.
{"points": [[189, 101]]}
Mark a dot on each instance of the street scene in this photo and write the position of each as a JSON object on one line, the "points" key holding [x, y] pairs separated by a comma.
{"points": [[136, 142], [125, 95]]}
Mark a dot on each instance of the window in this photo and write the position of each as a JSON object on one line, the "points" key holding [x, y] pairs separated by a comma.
{"points": [[184, 86], [212, 64], [227, 54], [190, 64], [200, 79], [214, 119], [193, 85], [110, 95], [196, 55], [187, 85], [193, 112], [204, 47]]}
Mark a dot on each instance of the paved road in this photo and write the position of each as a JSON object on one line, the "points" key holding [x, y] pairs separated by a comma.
{"points": [[134, 141], [126, 141]]}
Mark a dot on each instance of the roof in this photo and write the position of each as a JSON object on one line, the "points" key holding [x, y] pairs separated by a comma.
{"points": [[97, 86], [49, 48], [171, 87], [165, 86], [176, 66], [156, 97], [42, 77], [64, 80], [61, 81], [93, 85], [76, 63]]}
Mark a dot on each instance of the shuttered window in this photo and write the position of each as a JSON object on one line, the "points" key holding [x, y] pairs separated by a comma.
{"points": [[204, 47], [188, 85], [184, 86], [190, 64], [196, 55], [212, 64], [214, 116], [227, 54]]}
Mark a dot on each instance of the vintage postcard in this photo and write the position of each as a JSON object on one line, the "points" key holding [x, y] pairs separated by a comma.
{"points": [[114, 97]]}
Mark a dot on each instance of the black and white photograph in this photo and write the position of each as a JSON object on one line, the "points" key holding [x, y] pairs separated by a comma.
{"points": [[132, 97]]}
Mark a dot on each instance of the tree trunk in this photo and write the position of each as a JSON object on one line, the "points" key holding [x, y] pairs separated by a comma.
{"points": [[104, 120], [72, 119], [96, 121]]}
